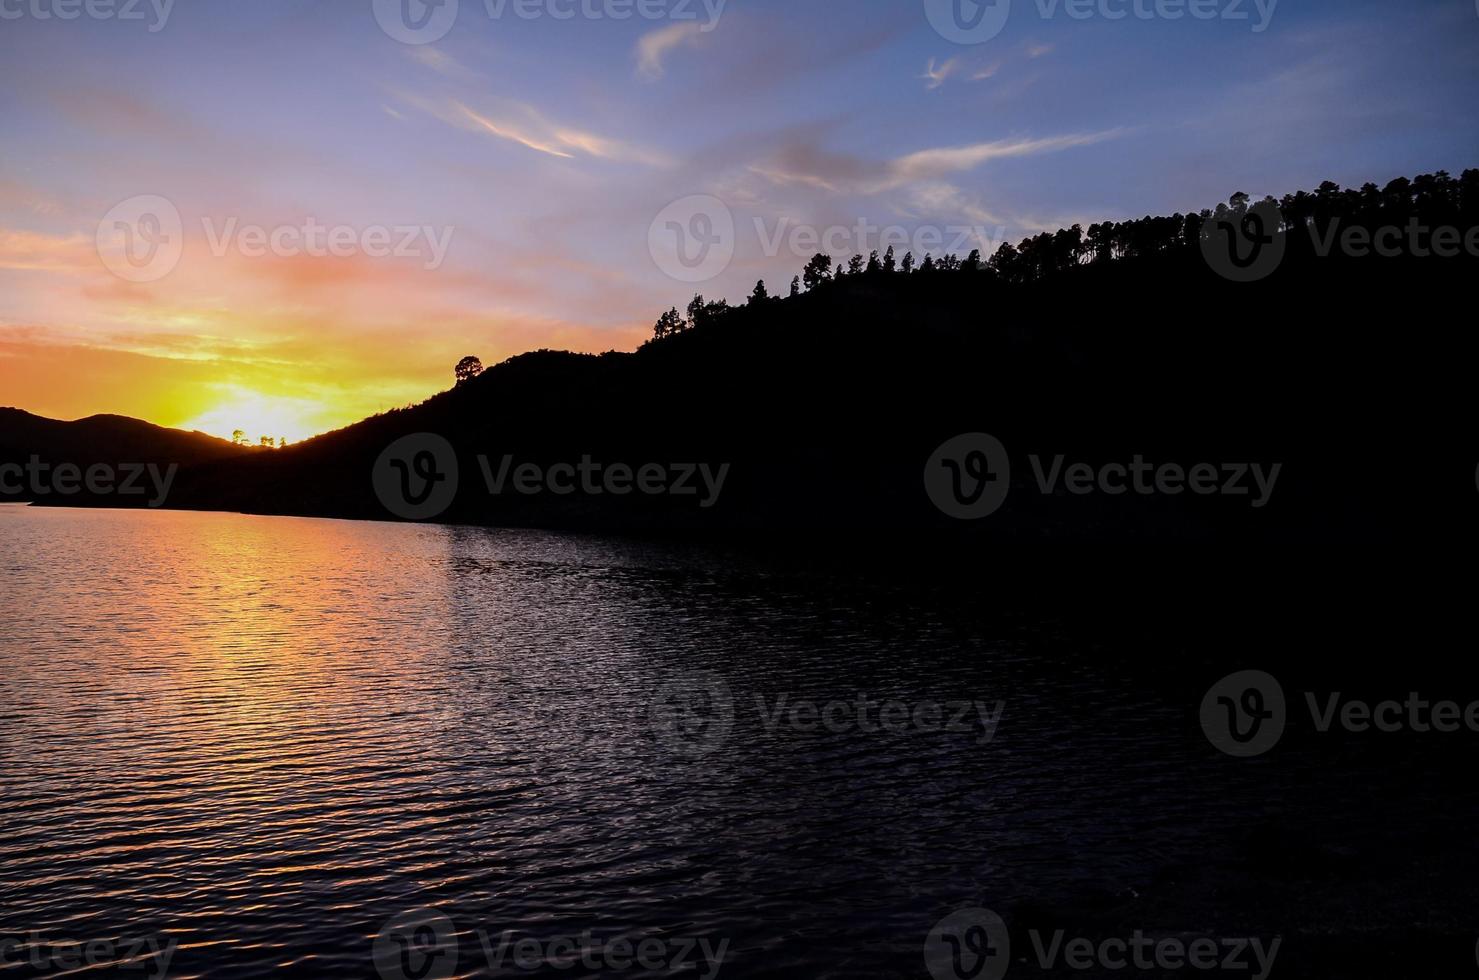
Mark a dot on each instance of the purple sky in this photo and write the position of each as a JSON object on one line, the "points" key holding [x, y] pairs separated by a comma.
{"points": [[539, 149]]}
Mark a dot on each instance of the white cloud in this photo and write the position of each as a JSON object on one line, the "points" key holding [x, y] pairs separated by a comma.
{"points": [[654, 46]]}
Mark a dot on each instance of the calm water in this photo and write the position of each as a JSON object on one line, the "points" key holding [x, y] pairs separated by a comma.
{"points": [[263, 739]]}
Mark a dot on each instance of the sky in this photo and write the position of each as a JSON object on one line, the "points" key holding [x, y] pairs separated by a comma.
{"points": [[285, 215]]}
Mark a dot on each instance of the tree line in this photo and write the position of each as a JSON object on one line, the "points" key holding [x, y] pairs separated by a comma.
{"points": [[1435, 200]]}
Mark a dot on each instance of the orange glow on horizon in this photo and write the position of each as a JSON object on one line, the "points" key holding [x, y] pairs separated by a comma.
{"points": [[259, 415]]}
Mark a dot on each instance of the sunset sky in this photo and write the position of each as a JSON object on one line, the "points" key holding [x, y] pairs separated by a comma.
{"points": [[540, 150]]}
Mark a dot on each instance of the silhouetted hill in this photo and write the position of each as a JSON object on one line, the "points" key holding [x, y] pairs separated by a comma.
{"points": [[1121, 349], [111, 440]]}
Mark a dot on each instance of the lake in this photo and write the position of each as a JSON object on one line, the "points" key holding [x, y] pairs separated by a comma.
{"points": [[236, 746]]}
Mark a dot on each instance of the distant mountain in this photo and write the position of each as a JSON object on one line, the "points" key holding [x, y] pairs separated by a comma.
{"points": [[111, 440], [1131, 389]]}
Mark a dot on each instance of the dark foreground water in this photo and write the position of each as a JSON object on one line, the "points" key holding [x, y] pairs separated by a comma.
{"points": [[234, 746]]}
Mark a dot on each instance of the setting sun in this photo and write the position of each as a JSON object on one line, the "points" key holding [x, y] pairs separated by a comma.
{"points": [[258, 415]]}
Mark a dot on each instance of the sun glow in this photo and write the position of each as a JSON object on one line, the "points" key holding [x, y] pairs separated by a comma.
{"points": [[257, 415]]}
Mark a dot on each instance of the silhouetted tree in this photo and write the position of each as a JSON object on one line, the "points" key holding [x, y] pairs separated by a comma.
{"points": [[714, 310], [701, 312], [855, 265], [467, 369], [282, 442], [795, 285], [873, 264], [238, 437], [908, 265], [668, 324], [888, 260], [972, 262], [816, 270], [760, 295], [266, 442]]}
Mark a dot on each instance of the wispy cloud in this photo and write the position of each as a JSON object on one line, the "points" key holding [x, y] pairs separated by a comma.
{"points": [[31, 250], [510, 131], [806, 165], [653, 47], [525, 125], [926, 164], [936, 76]]}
